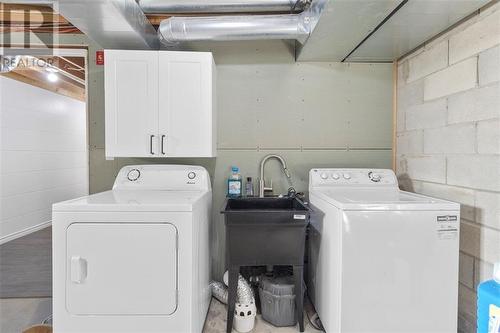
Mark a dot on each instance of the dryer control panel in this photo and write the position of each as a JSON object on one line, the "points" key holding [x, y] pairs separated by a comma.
{"points": [[163, 177], [352, 177]]}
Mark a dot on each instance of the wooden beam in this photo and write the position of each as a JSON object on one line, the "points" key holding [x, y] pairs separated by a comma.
{"points": [[35, 15], [36, 18], [72, 70], [38, 80]]}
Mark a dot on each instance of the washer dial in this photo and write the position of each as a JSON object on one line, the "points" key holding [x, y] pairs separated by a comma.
{"points": [[192, 175]]}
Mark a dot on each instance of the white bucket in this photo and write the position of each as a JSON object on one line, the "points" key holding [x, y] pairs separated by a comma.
{"points": [[244, 317]]}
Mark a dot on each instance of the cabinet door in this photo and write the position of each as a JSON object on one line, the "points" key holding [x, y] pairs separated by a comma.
{"points": [[185, 104], [121, 269], [131, 91]]}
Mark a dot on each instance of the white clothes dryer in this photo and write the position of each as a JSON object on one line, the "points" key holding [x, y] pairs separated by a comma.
{"points": [[136, 258]]}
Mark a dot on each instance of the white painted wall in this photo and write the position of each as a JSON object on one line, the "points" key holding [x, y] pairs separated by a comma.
{"points": [[43, 155], [448, 140]]}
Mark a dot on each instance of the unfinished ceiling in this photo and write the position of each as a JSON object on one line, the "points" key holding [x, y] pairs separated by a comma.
{"points": [[414, 23], [381, 30], [347, 30], [37, 18], [62, 75]]}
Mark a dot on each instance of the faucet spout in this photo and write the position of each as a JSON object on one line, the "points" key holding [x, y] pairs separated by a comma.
{"points": [[262, 187]]}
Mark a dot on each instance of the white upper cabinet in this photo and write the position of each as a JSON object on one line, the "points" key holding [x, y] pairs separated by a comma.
{"points": [[131, 92], [160, 104]]}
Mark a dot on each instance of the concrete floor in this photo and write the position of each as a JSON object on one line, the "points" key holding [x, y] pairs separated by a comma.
{"points": [[17, 314], [216, 322]]}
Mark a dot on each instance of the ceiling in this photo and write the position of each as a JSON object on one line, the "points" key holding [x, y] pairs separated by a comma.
{"points": [[70, 72], [38, 18], [381, 30], [413, 24], [348, 30]]}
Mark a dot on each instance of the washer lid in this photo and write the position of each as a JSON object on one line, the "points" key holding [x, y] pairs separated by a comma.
{"points": [[133, 201], [381, 199]]}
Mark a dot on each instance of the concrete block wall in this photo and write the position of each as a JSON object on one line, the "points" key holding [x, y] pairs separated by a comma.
{"points": [[448, 139]]}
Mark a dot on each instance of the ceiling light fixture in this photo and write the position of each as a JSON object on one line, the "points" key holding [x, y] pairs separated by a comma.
{"points": [[52, 77]]}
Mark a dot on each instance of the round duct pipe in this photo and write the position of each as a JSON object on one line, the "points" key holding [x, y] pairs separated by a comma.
{"points": [[221, 6], [228, 28]]}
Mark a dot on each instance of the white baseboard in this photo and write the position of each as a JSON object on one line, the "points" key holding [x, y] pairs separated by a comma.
{"points": [[25, 232]]}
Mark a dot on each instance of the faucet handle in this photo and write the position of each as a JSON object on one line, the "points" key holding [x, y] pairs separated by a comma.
{"points": [[268, 188]]}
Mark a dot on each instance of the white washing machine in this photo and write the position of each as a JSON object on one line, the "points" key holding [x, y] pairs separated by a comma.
{"points": [[381, 259], [136, 258]]}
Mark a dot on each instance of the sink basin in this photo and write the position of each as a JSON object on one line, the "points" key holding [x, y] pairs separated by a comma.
{"points": [[265, 231], [264, 205]]}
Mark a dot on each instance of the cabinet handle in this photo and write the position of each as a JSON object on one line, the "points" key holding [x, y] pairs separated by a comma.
{"points": [[151, 138], [162, 144]]}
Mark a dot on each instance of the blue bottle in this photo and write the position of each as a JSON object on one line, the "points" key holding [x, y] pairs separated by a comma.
{"points": [[234, 183], [488, 304]]}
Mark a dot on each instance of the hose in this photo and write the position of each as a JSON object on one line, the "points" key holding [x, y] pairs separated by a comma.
{"points": [[219, 291], [244, 292]]}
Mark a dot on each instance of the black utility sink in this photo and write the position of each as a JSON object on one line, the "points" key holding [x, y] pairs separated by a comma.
{"points": [[265, 231], [265, 211]]}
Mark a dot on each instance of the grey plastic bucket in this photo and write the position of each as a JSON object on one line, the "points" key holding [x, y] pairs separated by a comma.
{"points": [[277, 301]]}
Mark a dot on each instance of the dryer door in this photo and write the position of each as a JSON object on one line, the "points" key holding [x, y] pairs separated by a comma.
{"points": [[121, 269]]}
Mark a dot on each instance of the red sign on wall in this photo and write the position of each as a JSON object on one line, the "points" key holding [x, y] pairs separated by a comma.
{"points": [[99, 57]]}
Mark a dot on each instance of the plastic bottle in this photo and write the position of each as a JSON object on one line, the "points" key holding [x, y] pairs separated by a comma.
{"points": [[488, 304], [249, 187], [234, 183]]}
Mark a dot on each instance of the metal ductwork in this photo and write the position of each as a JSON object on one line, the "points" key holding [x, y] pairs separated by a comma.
{"points": [[221, 6], [227, 28], [113, 24]]}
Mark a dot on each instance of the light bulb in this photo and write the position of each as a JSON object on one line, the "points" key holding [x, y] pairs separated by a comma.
{"points": [[52, 77]]}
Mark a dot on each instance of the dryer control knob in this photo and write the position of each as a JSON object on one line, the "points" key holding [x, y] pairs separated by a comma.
{"points": [[133, 175], [324, 175], [192, 175], [335, 176], [375, 177], [347, 175]]}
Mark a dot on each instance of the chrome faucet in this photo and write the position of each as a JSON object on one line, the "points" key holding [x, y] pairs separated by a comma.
{"points": [[262, 184]]}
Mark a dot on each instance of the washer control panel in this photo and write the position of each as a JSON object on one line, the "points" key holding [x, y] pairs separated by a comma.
{"points": [[347, 177]]}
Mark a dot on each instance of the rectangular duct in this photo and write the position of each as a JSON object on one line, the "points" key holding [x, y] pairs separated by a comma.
{"points": [[113, 24]]}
